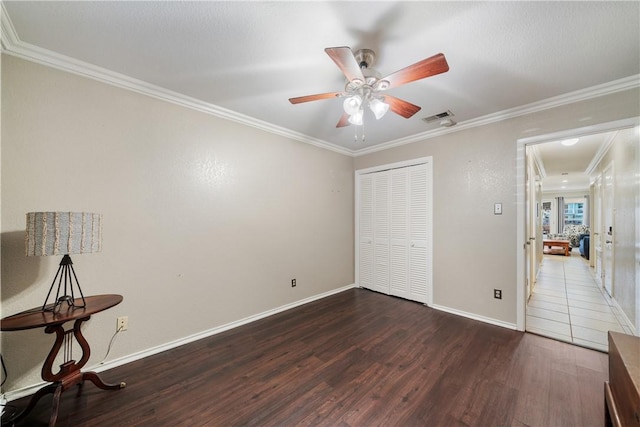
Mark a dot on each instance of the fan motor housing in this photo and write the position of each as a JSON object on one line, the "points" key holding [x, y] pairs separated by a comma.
{"points": [[365, 57]]}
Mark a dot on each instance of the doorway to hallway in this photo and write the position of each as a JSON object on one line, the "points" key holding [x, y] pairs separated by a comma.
{"points": [[530, 239]]}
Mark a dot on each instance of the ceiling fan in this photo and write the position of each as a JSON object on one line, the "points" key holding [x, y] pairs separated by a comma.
{"points": [[365, 84]]}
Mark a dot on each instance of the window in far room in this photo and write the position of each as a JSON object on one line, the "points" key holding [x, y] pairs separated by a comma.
{"points": [[574, 212]]}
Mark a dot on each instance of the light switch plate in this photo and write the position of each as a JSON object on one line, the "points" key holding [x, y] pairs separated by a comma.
{"points": [[497, 209]]}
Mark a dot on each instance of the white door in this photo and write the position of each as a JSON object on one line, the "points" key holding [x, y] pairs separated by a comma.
{"points": [[381, 232], [608, 231], [395, 232], [420, 233], [410, 249], [595, 241], [399, 255], [530, 250], [365, 231]]}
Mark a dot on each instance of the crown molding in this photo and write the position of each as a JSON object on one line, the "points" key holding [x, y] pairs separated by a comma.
{"points": [[579, 132], [620, 85], [12, 45], [601, 153], [7, 32], [535, 155], [71, 65]]}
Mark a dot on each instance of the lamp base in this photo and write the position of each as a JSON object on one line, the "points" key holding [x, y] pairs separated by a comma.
{"points": [[67, 273], [64, 299]]}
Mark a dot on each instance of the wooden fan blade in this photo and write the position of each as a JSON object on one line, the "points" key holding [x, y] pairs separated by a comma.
{"points": [[316, 97], [344, 121], [426, 68], [401, 107], [344, 59]]}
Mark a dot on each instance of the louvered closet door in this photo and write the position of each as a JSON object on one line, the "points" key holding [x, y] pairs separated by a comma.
{"points": [[365, 243], [381, 232], [420, 232], [410, 243], [395, 217], [399, 242]]}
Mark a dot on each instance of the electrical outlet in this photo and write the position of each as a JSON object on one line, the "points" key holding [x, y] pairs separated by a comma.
{"points": [[122, 323], [497, 293], [293, 283]]}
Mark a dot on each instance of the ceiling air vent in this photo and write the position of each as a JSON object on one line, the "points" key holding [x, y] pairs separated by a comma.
{"points": [[445, 118]]}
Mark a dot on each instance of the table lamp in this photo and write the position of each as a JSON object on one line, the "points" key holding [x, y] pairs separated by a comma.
{"points": [[63, 233]]}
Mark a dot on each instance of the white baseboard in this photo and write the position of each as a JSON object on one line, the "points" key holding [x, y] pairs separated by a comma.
{"points": [[475, 316], [622, 314], [29, 390]]}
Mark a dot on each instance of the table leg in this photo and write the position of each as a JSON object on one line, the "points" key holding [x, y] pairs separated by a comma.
{"points": [[69, 373], [97, 381]]}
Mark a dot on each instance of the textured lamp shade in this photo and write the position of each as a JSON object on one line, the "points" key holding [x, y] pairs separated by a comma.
{"points": [[62, 233]]}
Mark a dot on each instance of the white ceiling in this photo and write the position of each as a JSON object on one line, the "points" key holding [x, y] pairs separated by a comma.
{"points": [[244, 59], [568, 168]]}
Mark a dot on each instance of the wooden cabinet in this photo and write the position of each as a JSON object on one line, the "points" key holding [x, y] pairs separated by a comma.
{"points": [[622, 391]]}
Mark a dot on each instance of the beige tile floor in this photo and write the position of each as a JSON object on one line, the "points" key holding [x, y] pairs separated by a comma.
{"points": [[568, 305]]}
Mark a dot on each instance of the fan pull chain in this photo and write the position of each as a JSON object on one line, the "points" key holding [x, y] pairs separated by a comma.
{"points": [[355, 137]]}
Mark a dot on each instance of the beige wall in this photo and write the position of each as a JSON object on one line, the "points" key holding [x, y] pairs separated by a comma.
{"points": [[205, 221], [475, 251], [624, 153]]}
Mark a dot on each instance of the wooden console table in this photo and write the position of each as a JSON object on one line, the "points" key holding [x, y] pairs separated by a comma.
{"points": [[622, 391], [564, 244], [70, 373]]}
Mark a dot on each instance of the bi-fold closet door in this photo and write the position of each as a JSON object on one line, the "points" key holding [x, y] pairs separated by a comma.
{"points": [[395, 231]]}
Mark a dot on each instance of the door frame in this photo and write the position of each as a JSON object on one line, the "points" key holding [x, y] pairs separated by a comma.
{"points": [[380, 168], [521, 301], [608, 218], [533, 209], [595, 244]]}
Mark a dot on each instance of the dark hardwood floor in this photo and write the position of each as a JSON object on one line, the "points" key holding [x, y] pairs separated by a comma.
{"points": [[354, 359]]}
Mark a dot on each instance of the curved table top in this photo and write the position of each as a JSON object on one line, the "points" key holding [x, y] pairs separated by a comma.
{"points": [[36, 318]]}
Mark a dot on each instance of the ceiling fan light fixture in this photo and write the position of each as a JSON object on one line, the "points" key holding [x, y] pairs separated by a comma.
{"points": [[381, 85], [363, 83], [353, 85], [352, 104], [356, 118], [378, 107]]}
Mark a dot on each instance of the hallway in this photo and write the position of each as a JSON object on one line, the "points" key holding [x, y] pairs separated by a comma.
{"points": [[568, 305]]}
